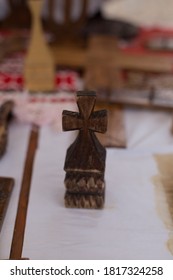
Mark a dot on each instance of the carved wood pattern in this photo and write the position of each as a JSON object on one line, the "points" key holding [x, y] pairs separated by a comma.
{"points": [[6, 186], [85, 158], [5, 113], [87, 201]]}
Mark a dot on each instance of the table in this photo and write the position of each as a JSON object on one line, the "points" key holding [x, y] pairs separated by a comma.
{"points": [[130, 225]]}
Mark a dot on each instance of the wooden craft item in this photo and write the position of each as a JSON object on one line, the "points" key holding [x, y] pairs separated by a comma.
{"points": [[103, 62], [102, 76], [39, 67], [85, 158], [20, 222], [6, 187], [5, 113]]}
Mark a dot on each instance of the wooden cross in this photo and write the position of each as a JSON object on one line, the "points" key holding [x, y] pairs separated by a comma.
{"points": [[86, 153], [85, 158]]}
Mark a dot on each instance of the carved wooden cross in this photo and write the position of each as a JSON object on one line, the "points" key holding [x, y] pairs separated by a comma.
{"points": [[86, 153]]}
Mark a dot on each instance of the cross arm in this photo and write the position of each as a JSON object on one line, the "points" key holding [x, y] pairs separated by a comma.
{"points": [[71, 120], [98, 121]]}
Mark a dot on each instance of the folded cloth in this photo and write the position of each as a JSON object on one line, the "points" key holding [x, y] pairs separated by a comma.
{"points": [[145, 13], [11, 75], [41, 109]]}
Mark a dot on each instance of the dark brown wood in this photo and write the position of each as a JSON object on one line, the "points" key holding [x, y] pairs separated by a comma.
{"points": [[6, 187], [5, 113], [20, 222], [12, 44], [83, 14], [85, 158], [51, 7], [18, 15], [68, 29], [67, 9], [88, 201]]}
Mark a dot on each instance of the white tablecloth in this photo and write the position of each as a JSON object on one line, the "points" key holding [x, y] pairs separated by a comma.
{"points": [[157, 13], [129, 226], [11, 165]]}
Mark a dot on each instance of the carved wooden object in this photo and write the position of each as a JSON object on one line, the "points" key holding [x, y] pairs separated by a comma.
{"points": [[100, 71], [101, 75], [20, 222], [6, 186], [39, 69], [5, 113], [85, 158]]}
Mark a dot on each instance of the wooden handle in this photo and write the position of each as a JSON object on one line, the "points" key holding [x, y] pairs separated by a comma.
{"points": [[35, 7]]}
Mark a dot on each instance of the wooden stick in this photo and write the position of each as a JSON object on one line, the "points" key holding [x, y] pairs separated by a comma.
{"points": [[19, 229]]}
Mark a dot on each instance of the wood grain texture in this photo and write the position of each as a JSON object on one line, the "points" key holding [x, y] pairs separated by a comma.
{"points": [[87, 201], [85, 158], [20, 222], [39, 69], [115, 135], [85, 182], [86, 144], [5, 113], [6, 187]]}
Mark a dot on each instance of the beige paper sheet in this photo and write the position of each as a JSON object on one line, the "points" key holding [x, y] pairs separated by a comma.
{"points": [[164, 190]]}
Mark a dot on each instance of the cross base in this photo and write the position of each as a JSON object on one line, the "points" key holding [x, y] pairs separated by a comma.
{"points": [[88, 201], [85, 182]]}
